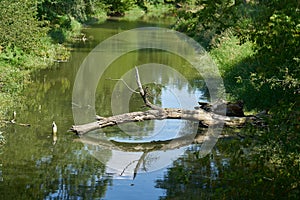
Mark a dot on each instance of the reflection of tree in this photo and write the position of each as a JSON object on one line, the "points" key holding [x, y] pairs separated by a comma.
{"points": [[81, 178], [126, 62], [233, 170], [101, 149], [181, 184], [191, 177], [64, 171], [31, 167]]}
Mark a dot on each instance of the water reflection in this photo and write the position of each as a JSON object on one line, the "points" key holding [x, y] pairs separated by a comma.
{"points": [[130, 157], [31, 167]]}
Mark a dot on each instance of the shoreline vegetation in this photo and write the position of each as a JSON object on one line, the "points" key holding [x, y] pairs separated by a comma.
{"points": [[36, 34], [254, 43]]}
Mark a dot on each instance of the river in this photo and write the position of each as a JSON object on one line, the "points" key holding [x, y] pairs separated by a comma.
{"points": [[36, 165]]}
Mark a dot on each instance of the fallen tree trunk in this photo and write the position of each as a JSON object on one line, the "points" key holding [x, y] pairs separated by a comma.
{"points": [[206, 118]]}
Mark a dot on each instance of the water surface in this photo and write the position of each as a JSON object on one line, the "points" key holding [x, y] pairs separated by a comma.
{"points": [[33, 166]]}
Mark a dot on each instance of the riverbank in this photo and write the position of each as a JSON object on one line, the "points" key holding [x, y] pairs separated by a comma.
{"points": [[46, 38], [26, 48]]}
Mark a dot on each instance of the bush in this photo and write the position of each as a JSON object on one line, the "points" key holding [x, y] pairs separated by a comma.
{"points": [[276, 33], [119, 7], [19, 26], [270, 76]]}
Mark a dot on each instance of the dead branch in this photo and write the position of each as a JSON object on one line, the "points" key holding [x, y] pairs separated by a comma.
{"points": [[144, 93], [205, 117], [129, 88]]}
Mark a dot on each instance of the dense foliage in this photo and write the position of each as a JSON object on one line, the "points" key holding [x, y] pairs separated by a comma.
{"points": [[31, 33], [236, 169], [256, 46], [272, 70], [19, 26]]}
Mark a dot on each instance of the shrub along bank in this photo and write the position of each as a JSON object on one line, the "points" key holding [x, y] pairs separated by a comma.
{"points": [[36, 33], [255, 44]]}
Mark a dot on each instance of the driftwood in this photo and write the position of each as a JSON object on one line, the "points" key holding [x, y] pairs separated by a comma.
{"points": [[14, 121], [206, 117], [212, 115]]}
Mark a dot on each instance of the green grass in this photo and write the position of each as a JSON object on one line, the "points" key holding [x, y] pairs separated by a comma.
{"points": [[134, 14], [229, 52], [239, 65], [158, 11], [231, 58]]}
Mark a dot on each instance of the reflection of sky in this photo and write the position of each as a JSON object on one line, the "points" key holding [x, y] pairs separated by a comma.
{"points": [[171, 97], [124, 163], [176, 92], [143, 187]]}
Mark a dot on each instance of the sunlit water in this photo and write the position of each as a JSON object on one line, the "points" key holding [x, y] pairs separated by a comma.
{"points": [[33, 166]]}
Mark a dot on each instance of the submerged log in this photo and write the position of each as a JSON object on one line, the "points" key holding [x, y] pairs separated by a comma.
{"points": [[205, 116]]}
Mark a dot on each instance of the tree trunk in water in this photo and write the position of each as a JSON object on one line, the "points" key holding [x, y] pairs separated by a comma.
{"points": [[206, 117]]}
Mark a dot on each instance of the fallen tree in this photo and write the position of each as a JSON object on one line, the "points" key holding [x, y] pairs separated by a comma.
{"points": [[206, 117]]}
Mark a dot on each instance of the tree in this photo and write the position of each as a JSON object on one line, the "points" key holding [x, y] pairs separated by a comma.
{"points": [[19, 26]]}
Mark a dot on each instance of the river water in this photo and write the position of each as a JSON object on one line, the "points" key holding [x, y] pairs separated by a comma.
{"points": [[34, 165]]}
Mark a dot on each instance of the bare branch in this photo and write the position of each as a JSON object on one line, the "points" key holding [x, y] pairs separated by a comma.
{"points": [[144, 93], [138, 82], [129, 88], [205, 117]]}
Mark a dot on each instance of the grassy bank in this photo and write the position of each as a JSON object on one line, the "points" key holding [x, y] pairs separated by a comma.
{"points": [[16, 67], [255, 45], [273, 157]]}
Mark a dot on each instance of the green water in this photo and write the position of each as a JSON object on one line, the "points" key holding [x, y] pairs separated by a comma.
{"points": [[33, 166]]}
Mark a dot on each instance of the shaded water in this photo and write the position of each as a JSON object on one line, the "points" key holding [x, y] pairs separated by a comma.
{"points": [[33, 167]]}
